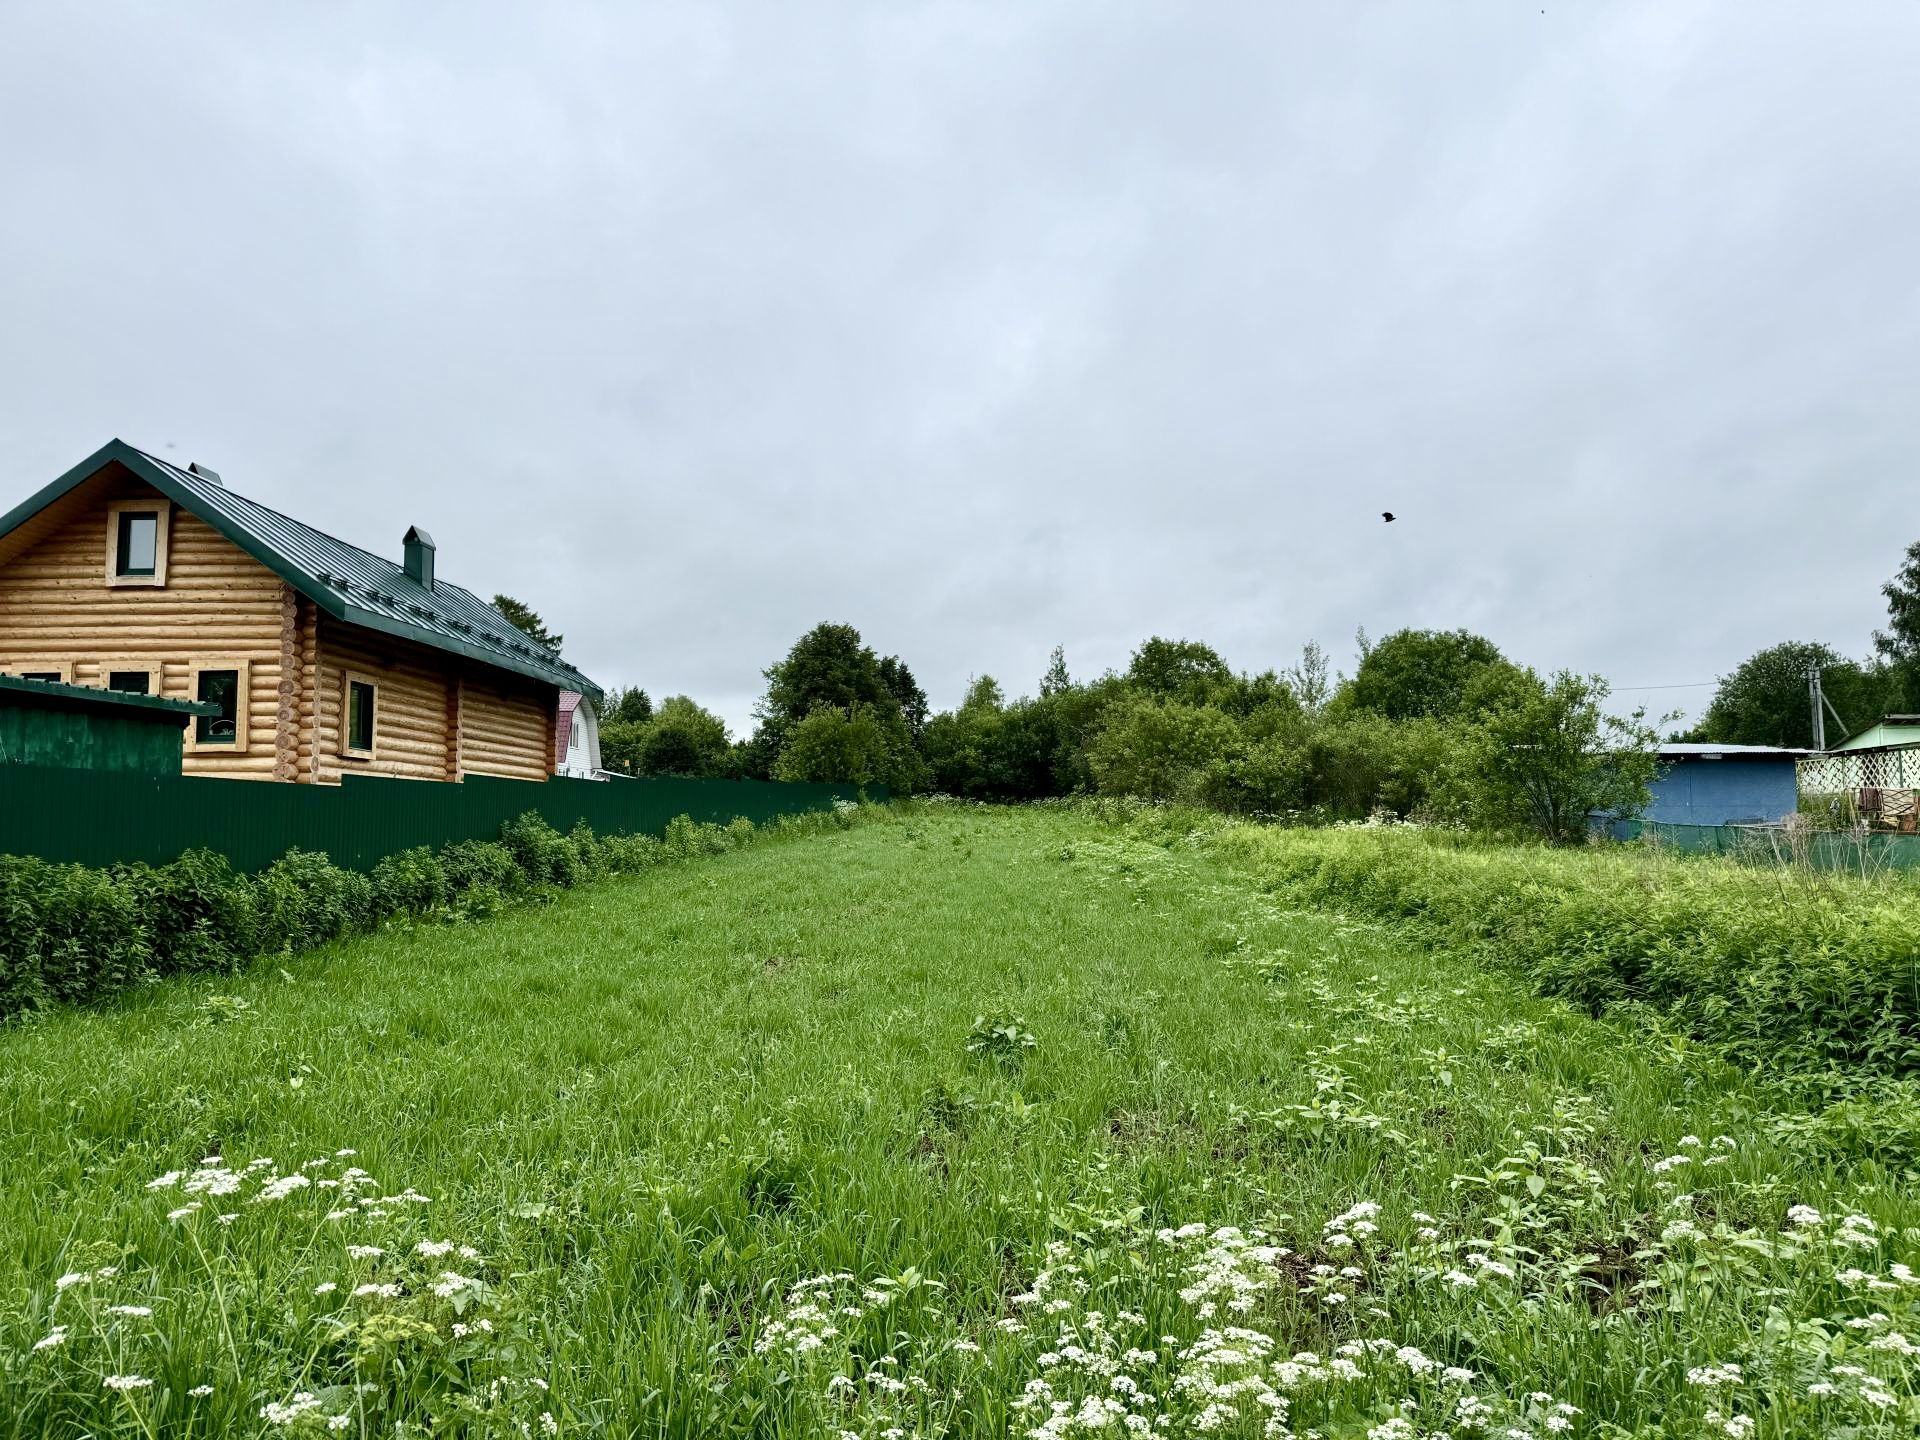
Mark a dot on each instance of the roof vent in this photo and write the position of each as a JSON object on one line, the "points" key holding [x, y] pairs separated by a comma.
{"points": [[419, 557], [206, 472]]}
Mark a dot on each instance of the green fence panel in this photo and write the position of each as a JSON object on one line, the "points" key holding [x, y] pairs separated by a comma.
{"points": [[95, 817], [1860, 853]]}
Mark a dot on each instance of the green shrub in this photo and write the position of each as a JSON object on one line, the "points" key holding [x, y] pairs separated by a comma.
{"points": [[480, 864], [685, 839], [307, 900], [70, 934], [544, 855], [414, 882], [629, 854], [198, 914], [1801, 971], [66, 933]]}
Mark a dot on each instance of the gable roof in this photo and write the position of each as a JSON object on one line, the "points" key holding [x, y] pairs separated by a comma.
{"points": [[348, 583]]}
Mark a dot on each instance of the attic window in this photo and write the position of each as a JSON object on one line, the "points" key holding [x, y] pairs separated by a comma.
{"points": [[137, 542]]}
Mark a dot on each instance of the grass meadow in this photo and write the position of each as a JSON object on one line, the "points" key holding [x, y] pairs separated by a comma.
{"points": [[963, 1122]]}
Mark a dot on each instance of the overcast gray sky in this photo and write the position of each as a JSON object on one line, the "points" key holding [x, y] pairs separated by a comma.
{"points": [[987, 328]]}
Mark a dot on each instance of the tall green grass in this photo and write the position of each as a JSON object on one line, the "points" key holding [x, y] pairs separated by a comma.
{"points": [[1777, 967], [926, 1128]]}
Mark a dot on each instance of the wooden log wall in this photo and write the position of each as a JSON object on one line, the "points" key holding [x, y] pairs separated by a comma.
{"points": [[218, 601], [410, 711], [286, 745], [505, 729], [437, 717]]}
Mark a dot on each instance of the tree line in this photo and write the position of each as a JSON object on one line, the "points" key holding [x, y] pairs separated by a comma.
{"points": [[1431, 723]]}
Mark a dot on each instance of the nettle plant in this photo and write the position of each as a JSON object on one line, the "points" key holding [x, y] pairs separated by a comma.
{"points": [[1003, 1038], [383, 1324]]}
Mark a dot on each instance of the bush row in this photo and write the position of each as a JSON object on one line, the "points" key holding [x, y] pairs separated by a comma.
{"points": [[70, 933], [1811, 972]]}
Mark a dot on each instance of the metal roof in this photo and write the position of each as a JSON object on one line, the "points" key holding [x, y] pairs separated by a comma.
{"points": [[55, 693], [1894, 731], [349, 583], [1682, 750]]}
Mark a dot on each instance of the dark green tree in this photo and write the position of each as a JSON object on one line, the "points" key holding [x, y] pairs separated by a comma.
{"points": [[523, 619], [1421, 672], [1184, 670], [1900, 641], [682, 739], [1056, 679], [828, 666], [1764, 701], [906, 692], [631, 704]]}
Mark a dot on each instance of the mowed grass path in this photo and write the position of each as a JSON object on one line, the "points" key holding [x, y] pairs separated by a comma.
{"points": [[655, 1105]]}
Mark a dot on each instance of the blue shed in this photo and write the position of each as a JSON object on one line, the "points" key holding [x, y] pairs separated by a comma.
{"points": [[1724, 785]]}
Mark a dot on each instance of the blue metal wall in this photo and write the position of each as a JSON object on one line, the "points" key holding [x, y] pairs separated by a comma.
{"points": [[1712, 792]]}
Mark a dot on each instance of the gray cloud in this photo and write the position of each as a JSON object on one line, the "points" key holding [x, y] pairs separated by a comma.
{"points": [[986, 328]]}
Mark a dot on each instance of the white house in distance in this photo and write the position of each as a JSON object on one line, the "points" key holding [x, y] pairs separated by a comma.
{"points": [[576, 738]]}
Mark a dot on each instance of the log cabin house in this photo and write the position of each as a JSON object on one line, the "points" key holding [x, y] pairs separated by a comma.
{"points": [[319, 658]]}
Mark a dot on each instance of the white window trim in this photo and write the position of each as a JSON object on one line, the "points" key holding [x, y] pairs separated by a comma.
{"points": [[162, 529], [238, 745], [348, 679]]}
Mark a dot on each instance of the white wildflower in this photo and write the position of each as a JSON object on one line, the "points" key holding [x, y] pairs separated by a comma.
{"points": [[281, 1188]]}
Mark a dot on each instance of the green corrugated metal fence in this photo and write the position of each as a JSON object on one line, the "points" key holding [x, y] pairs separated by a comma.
{"points": [[1867, 853], [98, 817]]}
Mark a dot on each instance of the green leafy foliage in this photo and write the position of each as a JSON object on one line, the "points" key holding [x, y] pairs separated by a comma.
{"points": [[1183, 670], [861, 745], [1544, 755], [74, 934], [1421, 673], [1765, 701], [1814, 974], [680, 737], [1900, 641], [881, 712], [1160, 749]]}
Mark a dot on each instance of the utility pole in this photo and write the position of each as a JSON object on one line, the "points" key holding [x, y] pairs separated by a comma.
{"points": [[1819, 708], [1822, 707]]}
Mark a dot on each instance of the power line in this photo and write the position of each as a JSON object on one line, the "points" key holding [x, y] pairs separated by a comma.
{"points": [[1688, 685]]}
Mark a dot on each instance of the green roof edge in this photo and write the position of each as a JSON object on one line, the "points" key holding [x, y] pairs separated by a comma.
{"points": [[58, 690], [315, 589]]}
